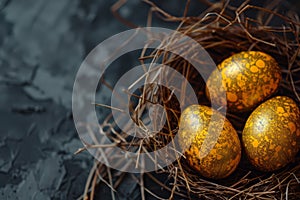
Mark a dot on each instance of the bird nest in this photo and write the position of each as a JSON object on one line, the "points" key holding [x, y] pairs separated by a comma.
{"points": [[222, 29]]}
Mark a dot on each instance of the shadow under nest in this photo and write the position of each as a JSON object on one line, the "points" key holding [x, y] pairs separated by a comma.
{"points": [[221, 30]]}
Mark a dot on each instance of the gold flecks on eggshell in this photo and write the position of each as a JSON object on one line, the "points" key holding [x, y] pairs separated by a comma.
{"points": [[248, 78], [278, 139], [223, 158]]}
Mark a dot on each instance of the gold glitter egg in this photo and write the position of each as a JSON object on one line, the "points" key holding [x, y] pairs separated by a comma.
{"points": [[271, 135], [248, 78], [197, 131]]}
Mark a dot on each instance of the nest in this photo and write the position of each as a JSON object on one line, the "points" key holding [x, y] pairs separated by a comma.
{"points": [[223, 29]]}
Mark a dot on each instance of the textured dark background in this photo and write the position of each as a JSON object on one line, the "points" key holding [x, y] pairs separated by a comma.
{"points": [[42, 44]]}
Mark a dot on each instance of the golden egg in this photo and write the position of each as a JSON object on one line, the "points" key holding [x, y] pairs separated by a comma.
{"points": [[271, 135], [248, 78], [212, 155]]}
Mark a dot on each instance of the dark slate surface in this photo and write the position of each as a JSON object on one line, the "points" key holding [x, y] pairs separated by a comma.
{"points": [[42, 44]]}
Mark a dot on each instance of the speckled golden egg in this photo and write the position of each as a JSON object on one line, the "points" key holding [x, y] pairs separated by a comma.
{"points": [[214, 154], [271, 135], [248, 78]]}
